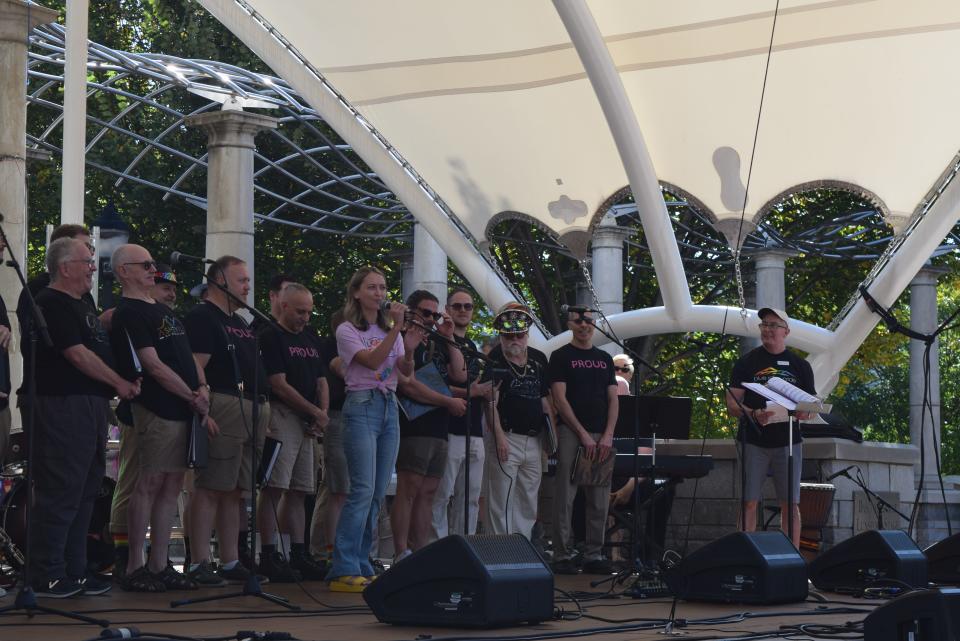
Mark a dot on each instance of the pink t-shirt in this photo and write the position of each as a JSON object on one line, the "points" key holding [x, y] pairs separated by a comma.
{"points": [[351, 340]]}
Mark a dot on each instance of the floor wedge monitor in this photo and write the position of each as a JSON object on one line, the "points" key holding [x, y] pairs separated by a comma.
{"points": [[466, 581], [872, 557], [943, 560], [743, 567], [916, 616]]}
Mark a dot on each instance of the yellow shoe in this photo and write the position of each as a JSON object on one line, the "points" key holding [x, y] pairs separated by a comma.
{"points": [[349, 584]]}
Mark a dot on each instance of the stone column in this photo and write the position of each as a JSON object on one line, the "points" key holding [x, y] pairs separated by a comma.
{"points": [[607, 268], [407, 284], [770, 265], [15, 23], [923, 319], [429, 264], [230, 144]]}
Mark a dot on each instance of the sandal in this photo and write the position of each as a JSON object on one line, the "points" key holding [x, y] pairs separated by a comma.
{"points": [[142, 580], [173, 580], [349, 584]]}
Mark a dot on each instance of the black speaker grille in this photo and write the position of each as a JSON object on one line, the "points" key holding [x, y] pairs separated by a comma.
{"points": [[500, 549]]}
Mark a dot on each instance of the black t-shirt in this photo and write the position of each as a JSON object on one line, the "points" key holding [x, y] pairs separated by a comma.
{"points": [[70, 321], [25, 318], [209, 330], [137, 325], [458, 424], [519, 405], [296, 355], [435, 423], [758, 366], [588, 374], [336, 385]]}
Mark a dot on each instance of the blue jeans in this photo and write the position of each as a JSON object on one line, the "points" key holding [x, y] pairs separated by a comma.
{"points": [[371, 436]]}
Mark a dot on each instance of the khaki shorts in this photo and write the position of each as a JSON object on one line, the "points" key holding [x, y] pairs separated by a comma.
{"points": [[126, 479], [423, 455], [295, 467], [229, 466], [161, 444]]}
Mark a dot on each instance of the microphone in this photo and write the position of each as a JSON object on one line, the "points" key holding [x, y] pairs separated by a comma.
{"points": [[384, 306], [179, 257], [842, 472], [577, 309]]}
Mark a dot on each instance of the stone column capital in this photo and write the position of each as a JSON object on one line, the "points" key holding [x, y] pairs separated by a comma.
{"points": [[231, 128], [770, 256], [608, 235], [17, 20], [928, 275]]}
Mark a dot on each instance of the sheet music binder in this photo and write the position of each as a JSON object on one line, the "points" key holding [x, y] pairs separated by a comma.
{"points": [[198, 443], [271, 452]]}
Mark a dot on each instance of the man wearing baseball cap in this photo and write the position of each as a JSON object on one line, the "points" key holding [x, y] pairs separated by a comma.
{"points": [[765, 442]]}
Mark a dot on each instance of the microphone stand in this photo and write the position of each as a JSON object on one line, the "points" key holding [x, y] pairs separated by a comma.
{"points": [[26, 600], [881, 502], [477, 355], [252, 585], [636, 566]]}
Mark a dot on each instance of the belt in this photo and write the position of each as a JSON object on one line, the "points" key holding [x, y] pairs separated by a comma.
{"points": [[522, 432], [261, 398]]}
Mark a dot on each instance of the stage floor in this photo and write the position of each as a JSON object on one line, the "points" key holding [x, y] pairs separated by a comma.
{"points": [[327, 616]]}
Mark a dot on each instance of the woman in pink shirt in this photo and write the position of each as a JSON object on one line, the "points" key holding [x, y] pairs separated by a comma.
{"points": [[372, 350]]}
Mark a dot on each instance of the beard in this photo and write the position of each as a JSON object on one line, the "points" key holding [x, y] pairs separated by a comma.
{"points": [[514, 349]]}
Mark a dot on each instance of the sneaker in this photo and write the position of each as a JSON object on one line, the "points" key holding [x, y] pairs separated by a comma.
{"points": [[237, 574], [205, 576], [378, 566], [598, 566], [276, 568], [308, 568], [93, 585], [59, 588], [349, 584], [565, 566], [402, 556], [173, 580]]}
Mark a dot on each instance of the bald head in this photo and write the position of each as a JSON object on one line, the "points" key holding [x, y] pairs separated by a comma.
{"points": [[134, 268]]}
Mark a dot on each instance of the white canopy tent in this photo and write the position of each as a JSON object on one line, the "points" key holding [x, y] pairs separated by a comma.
{"points": [[470, 109]]}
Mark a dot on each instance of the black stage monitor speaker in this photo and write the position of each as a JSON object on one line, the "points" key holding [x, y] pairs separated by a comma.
{"points": [[743, 567], [472, 581], [943, 561], [922, 615], [868, 558]]}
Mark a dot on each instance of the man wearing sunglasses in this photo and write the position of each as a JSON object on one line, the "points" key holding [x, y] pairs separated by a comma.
{"points": [[149, 340], [423, 440], [766, 441], [448, 502], [584, 389], [74, 380]]}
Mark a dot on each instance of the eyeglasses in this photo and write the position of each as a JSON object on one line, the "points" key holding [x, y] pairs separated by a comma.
{"points": [[621, 369], [146, 264], [426, 313], [462, 307], [581, 320], [515, 336], [772, 326], [91, 262]]}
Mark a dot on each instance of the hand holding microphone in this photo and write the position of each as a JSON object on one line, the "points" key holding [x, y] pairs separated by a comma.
{"points": [[395, 311]]}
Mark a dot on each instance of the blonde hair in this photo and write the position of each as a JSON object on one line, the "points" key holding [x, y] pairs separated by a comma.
{"points": [[351, 308]]}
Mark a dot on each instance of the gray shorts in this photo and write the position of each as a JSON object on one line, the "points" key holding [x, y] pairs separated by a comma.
{"points": [[771, 461], [335, 473], [423, 455]]}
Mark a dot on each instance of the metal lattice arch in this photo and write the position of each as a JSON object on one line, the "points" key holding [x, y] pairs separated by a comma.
{"points": [[341, 196]]}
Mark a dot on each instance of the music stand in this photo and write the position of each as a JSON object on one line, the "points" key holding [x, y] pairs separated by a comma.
{"points": [[651, 417]]}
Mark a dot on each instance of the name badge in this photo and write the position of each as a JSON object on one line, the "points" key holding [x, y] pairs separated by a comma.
{"points": [[783, 362]]}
